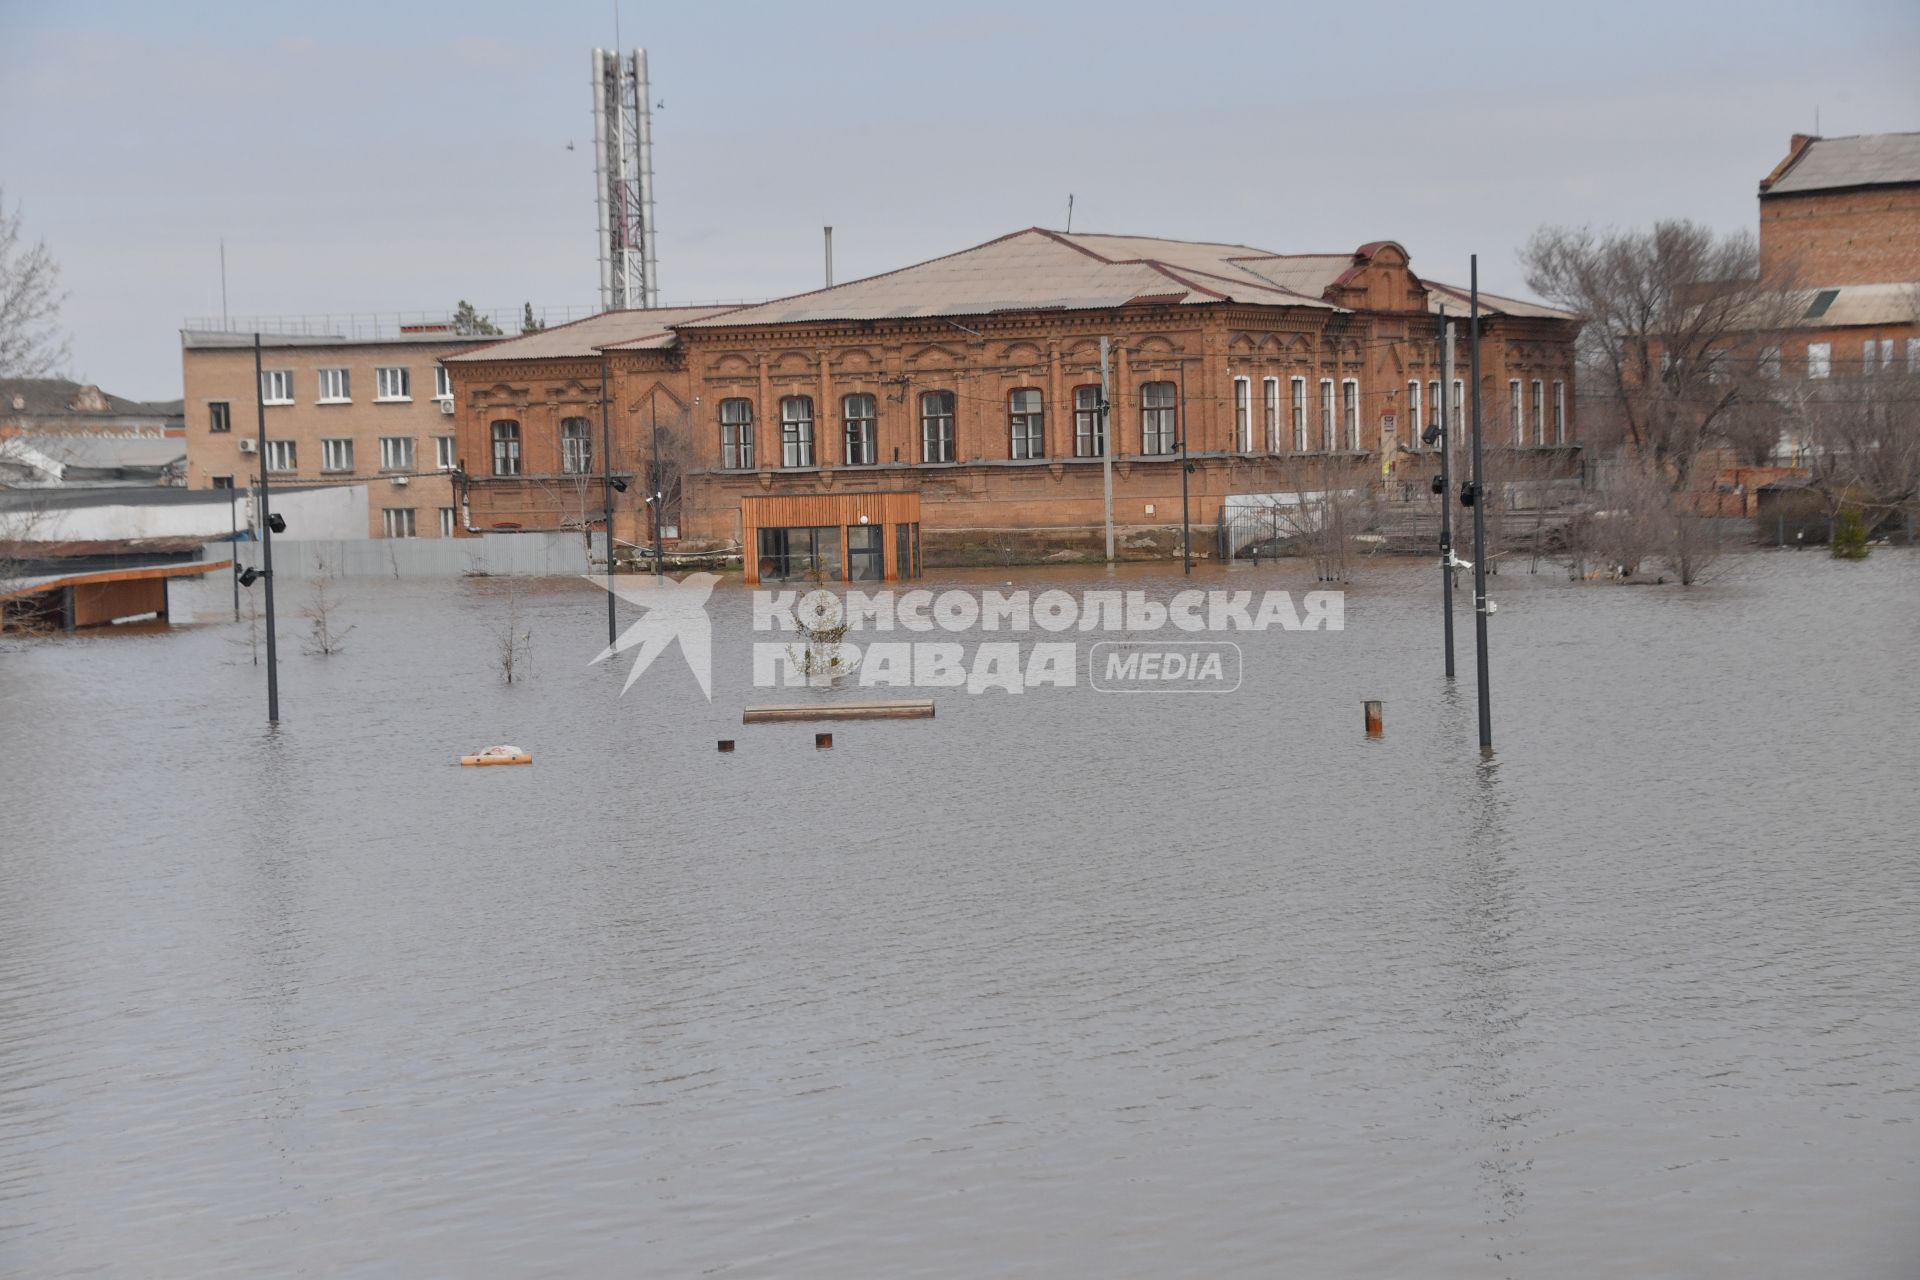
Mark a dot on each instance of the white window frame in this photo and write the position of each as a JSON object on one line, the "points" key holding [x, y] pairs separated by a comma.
{"points": [[220, 417], [939, 426], [396, 453], [442, 382], [384, 378], [576, 450], [448, 518], [1559, 411], [1819, 359], [1327, 421], [796, 431], [1243, 414], [1514, 411], [276, 386], [1026, 428], [1436, 407], [445, 453], [1913, 355], [736, 434], [1350, 412], [1159, 422], [1298, 408], [1089, 426], [283, 456], [336, 455], [1458, 420], [1539, 403], [408, 522], [336, 386], [1413, 413], [1270, 402]]}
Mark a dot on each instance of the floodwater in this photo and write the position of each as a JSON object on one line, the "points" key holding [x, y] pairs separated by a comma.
{"points": [[1064, 983]]}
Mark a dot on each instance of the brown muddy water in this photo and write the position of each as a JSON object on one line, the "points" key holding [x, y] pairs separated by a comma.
{"points": [[1068, 983]]}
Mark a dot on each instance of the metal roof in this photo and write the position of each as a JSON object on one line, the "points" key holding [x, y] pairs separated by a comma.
{"points": [[1865, 160], [1859, 304], [628, 330], [31, 398]]}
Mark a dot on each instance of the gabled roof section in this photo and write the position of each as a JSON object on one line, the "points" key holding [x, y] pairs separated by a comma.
{"points": [[1033, 270], [64, 398], [1833, 164], [1457, 301], [635, 330]]}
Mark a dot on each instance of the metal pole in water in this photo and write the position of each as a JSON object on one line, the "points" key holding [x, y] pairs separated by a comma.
{"points": [[606, 487], [1480, 606], [1446, 486], [266, 534]]}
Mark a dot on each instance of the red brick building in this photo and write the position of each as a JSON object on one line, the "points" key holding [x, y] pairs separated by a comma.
{"points": [[973, 383]]}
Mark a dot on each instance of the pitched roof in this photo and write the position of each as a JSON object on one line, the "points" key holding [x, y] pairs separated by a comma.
{"points": [[1864, 160], [1857, 304], [1035, 270], [27, 398], [628, 330]]}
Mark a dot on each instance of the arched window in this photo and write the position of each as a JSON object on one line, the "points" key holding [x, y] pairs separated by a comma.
{"points": [[576, 446], [1026, 425], [736, 434], [506, 448], [1350, 412], [796, 431], [1089, 427], [857, 412], [1158, 417], [936, 426]]}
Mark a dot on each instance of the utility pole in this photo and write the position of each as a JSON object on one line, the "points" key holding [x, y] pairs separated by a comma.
{"points": [[266, 533], [1186, 469], [233, 542], [1106, 443], [1446, 486], [1480, 605], [606, 487], [829, 231], [654, 483]]}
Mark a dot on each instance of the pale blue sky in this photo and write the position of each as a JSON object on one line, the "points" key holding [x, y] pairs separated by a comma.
{"points": [[361, 156]]}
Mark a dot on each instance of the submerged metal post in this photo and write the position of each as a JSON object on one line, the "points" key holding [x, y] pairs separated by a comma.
{"points": [[1479, 518], [1376, 719], [1446, 487], [266, 535]]}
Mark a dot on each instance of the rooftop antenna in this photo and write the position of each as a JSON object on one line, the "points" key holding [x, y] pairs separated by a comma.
{"points": [[1069, 213], [223, 282], [623, 179]]}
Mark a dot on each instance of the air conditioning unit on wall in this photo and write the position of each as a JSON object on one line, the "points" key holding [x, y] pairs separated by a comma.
{"points": [[400, 482], [249, 446], [446, 407]]}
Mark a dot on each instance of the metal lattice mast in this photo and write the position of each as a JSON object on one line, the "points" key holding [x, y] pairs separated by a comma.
{"points": [[623, 178]]}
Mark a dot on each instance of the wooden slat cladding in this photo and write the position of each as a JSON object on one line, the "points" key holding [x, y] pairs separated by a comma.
{"points": [[798, 510]]}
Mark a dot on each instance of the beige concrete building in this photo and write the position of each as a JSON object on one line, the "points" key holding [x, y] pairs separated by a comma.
{"points": [[349, 409]]}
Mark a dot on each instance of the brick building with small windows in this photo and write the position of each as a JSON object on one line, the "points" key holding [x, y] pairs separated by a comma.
{"points": [[349, 408], [1840, 218], [972, 383]]}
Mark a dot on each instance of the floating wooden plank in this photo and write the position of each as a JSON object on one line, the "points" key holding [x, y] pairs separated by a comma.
{"points": [[921, 709]]}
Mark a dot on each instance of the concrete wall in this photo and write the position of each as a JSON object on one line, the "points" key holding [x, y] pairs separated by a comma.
{"points": [[517, 555], [339, 512]]}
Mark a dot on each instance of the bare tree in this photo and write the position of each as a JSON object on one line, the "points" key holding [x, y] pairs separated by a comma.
{"points": [[1675, 320], [513, 638], [1860, 441], [32, 344], [323, 637]]}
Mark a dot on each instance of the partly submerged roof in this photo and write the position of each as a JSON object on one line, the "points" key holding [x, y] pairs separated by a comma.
{"points": [[627, 330], [1864, 160]]}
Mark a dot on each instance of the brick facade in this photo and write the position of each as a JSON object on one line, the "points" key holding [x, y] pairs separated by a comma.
{"points": [[1869, 236], [1384, 340], [217, 369]]}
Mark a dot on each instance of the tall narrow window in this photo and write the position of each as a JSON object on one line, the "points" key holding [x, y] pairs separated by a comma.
{"points": [[1089, 430], [276, 386], [1513, 412], [796, 431], [1559, 412], [506, 448], [443, 455], [736, 435], [1270, 390], [1457, 418], [1350, 412], [1158, 415], [219, 416], [576, 446], [1434, 406], [1539, 412], [1770, 363], [442, 383], [333, 386], [1243, 414], [1299, 415], [393, 382], [1819, 359], [1413, 415], [336, 455], [396, 453], [1326, 415], [857, 412], [936, 426], [447, 515], [1025, 424]]}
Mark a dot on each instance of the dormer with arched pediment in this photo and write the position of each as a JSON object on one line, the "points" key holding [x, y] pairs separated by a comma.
{"points": [[1380, 279]]}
